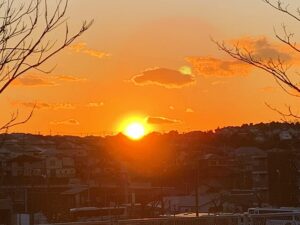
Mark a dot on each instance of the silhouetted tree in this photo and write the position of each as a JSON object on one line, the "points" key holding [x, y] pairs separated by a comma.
{"points": [[277, 67], [24, 40]]}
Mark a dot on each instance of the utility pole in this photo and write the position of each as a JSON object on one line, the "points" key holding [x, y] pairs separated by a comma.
{"points": [[196, 189], [125, 180], [88, 183], [162, 210]]}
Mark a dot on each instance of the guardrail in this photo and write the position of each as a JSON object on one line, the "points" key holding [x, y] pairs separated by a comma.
{"points": [[218, 219]]}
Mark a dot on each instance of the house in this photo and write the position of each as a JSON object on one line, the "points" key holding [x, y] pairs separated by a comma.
{"points": [[25, 165], [260, 182], [275, 177], [75, 197], [60, 167]]}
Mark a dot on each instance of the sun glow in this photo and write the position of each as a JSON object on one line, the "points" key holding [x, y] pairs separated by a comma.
{"points": [[134, 127], [186, 70], [135, 131]]}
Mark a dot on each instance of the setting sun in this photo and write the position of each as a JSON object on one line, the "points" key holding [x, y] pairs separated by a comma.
{"points": [[134, 126], [135, 131]]}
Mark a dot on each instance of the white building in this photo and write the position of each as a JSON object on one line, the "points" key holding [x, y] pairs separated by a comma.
{"points": [[285, 136]]}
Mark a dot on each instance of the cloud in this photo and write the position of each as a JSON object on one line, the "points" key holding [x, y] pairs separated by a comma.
{"points": [[209, 66], [94, 104], [189, 110], [33, 80], [72, 122], [56, 106], [69, 78], [78, 47], [164, 77], [161, 121], [260, 48], [63, 106], [45, 105], [39, 105], [81, 47]]}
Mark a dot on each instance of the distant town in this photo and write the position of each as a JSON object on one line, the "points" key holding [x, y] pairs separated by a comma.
{"points": [[229, 170]]}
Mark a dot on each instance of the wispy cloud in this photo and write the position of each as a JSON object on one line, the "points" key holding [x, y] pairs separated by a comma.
{"points": [[82, 47], [33, 80], [171, 107], [45, 105], [72, 122], [94, 104], [69, 78], [164, 77], [189, 110], [38, 105], [64, 106], [161, 121], [55, 106]]}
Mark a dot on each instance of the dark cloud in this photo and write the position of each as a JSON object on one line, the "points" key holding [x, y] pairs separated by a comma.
{"points": [[164, 77]]}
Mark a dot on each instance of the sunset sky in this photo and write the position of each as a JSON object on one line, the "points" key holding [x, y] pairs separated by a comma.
{"points": [[154, 60]]}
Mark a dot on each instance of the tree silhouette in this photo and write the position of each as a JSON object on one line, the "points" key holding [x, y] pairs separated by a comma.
{"points": [[25, 43], [277, 67]]}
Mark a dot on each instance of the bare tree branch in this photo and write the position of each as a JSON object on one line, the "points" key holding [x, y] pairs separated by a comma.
{"points": [[32, 49], [24, 40], [14, 120], [279, 5], [278, 68], [285, 116]]}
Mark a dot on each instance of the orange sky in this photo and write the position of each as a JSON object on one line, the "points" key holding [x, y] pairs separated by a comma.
{"points": [[154, 59]]}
